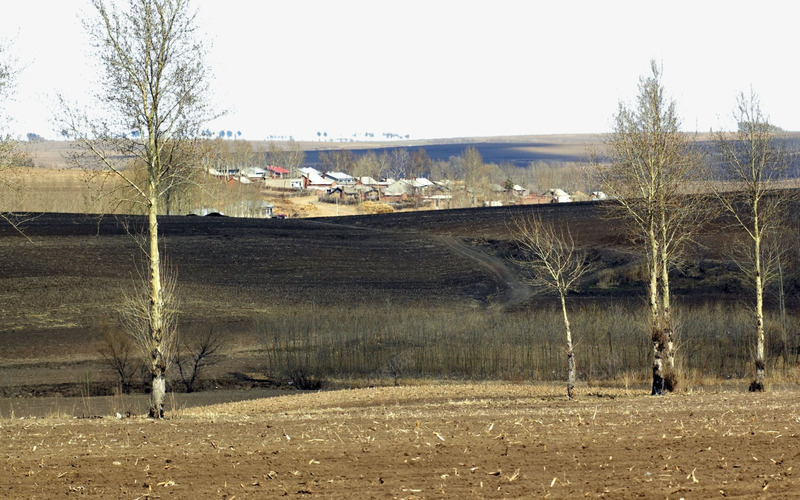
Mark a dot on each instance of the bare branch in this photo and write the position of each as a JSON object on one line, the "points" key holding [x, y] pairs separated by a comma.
{"points": [[550, 255]]}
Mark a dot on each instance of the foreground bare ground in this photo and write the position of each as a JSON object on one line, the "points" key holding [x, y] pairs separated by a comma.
{"points": [[455, 441]]}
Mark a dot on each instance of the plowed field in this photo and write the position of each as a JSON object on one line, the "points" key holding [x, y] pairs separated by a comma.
{"points": [[446, 441]]}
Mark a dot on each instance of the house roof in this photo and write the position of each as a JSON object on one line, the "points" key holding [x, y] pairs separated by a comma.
{"points": [[223, 172], [277, 170], [318, 179], [359, 189], [398, 188], [339, 176], [253, 172], [309, 171]]}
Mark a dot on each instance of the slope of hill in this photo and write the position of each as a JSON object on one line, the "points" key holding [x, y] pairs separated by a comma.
{"points": [[61, 287]]}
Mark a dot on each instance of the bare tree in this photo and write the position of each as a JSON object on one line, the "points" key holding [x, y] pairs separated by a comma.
{"points": [[118, 352], [192, 357], [11, 152], [556, 266], [290, 157], [751, 163], [154, 84], [648, 169], [366, 165], [341, 160], [400, 165]]}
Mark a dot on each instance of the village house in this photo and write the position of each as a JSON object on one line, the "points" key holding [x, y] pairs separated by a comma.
{"points": [[340, 178], [223, 172], [254, 173], [519, 191], [358, 193], [398, 191], [313, 180], [559, 196], [284, 184], [535, 198], [277, 172]]}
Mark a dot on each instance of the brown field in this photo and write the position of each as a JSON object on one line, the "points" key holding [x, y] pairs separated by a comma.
{"points": [[431, 300], [437, 441]]}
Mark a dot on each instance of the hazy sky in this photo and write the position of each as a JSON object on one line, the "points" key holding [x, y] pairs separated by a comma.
{"points": [[438, 68]]}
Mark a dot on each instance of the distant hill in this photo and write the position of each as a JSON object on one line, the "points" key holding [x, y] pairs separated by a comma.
{"points": [[516, 150]]}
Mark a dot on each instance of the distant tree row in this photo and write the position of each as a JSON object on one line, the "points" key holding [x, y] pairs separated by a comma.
{"points": [[229, 134]]}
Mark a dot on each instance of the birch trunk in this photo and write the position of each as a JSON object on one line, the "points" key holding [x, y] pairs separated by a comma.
{"points": [[670, 374], [655, 317], [157, 362], [758, 384], [571, 372]]}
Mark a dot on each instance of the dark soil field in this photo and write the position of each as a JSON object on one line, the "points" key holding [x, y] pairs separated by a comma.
{"points": [[61, 283]]}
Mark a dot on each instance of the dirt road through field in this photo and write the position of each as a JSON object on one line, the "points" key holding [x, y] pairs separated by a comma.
{"points": [[511, 291]]}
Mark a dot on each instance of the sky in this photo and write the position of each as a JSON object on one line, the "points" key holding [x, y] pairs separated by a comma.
{"points": [[438, 68]]}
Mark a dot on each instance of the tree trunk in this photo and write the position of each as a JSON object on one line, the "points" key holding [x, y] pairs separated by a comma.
{"points": [[571, 372], [657, 333], [158, 364], [670, 373], [157, 394], [758, 384]]}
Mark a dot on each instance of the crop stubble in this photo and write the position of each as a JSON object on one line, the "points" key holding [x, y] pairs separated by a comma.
{"points": [[459, 441]]}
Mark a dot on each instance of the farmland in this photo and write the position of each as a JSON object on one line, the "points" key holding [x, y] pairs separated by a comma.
{"points": [[438, 290], [456, 441], [432, 301]]}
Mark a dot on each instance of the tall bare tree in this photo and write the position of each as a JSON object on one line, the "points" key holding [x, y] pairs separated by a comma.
{"points": [[366, 165], [556, 265], [648, 168], [154, 84], [751, 163], [291, 157]]}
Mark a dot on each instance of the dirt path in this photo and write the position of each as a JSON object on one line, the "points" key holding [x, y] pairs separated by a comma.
{"points": [[511, 291]]}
